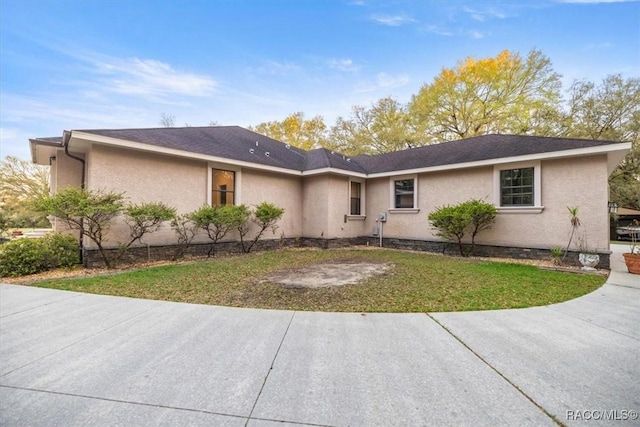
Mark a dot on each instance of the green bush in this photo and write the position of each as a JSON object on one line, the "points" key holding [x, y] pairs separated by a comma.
{"points": [[28, 256], [453, 222], [62, 250], [21, 257]]}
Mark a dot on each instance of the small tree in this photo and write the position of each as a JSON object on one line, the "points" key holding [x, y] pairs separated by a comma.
{"points": [[453, 222], [575, 224], [482, 215], [90, 212], [217, 221], [143, 219], [186, 230], [265, 216]]}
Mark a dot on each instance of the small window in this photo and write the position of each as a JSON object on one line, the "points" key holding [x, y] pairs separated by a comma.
{"points": [[516, 187], [356, 198], [403, 193], [223, 187]]}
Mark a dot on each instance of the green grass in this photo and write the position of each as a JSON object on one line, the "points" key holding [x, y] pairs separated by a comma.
{"points": [[418, 282]]}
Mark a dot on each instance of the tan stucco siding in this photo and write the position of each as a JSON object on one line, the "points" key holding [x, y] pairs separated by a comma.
{"points": [[326, 208], [434, 190], [68, 171], [578, 182], [64, 172], [145, 177], [283, 191], [315, 216]]}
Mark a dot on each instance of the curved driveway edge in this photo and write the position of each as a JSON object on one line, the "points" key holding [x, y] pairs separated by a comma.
{"points": [[78, 359]]}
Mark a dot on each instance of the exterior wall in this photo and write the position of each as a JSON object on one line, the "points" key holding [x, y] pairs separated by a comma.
{"points": [[281, 190], [434, 190], [315, 209], [580, 182], [326, 208], [68, 171], [145, 177], [64, 172]]}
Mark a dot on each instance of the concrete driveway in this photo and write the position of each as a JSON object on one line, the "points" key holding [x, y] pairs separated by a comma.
{"points": [[73, 359]]}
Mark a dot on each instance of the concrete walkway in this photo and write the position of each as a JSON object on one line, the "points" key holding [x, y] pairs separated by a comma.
{"points": [[72, 359]]}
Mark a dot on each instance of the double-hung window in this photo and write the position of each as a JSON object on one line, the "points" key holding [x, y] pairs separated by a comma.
{"points": [[516, 187], [404, 193], [355, 198]]}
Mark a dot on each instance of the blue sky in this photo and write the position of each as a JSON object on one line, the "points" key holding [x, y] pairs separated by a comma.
{"points": [[117, 64]]}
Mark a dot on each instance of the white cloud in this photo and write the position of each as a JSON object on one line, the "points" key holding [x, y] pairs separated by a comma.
{"points": [[148, 77], [276, 68], [438, 30], [475, 34], [343, 65], [392, 20], [97, 75], [598, 46], [483, 15], [383, 81], [386, 81]]}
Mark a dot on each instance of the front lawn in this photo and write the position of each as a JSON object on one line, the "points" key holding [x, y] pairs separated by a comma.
{"points": [[419, 282]]}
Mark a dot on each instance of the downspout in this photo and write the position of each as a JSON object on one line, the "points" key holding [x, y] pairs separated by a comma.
{"points": [[66, 137]]}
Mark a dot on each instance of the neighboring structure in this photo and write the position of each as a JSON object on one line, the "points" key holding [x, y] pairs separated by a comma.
{"points": [[333, 199]]}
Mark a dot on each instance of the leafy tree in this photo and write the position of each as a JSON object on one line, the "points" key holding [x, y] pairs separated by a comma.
{"points": [[453, 222], [265, 216], [90, 212], [505, 94], [482, 216], [610, 111], [217, 221], [21, 183], [186, 230], [143, 219], [384, 127], [296, 131]]}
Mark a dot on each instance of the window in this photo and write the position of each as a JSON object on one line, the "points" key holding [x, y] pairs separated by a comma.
{"points": [[403, 193], [222, 187], [356, 198], [516, 187]]}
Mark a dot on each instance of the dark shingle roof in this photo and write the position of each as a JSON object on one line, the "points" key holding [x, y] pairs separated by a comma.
{"points": [[236, 143], [475, 149], [229, 142]]}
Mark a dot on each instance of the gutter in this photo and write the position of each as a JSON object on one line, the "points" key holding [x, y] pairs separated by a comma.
{"points": [[66, 138]]}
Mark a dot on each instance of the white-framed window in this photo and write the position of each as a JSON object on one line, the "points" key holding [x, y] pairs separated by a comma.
{"points": [[517, 187], [356, 197], [404, 193], [223, 185]]}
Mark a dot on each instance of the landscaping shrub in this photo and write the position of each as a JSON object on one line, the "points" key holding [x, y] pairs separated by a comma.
{"points": [[62, 250], [22, 256], [28, 256], [453, 222]]}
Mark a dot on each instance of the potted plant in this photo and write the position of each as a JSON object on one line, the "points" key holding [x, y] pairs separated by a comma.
{"points": [[632, 258]]}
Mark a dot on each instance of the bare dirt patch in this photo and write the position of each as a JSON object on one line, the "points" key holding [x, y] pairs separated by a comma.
{"points": [[327, 274]]}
